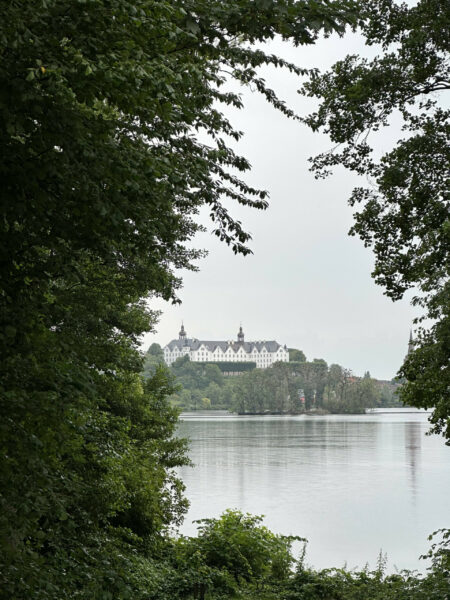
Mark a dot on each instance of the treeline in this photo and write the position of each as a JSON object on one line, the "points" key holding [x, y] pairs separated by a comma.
{"points": [[292, 387], [297, 387]]}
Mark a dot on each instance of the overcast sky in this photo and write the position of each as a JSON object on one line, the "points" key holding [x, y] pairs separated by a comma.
{"points": [[308, 283]]}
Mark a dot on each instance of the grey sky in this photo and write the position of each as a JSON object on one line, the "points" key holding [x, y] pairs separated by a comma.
{"points": [[307, 284]]}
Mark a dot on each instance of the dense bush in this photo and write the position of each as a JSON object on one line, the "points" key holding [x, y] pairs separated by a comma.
{"points": [[235, 551]]}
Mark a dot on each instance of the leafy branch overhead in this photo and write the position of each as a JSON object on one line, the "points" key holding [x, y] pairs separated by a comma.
{"points": [[404, 213], [111, 98]]}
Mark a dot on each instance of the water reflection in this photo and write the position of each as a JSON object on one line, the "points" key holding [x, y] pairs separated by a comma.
{"points": [[352, 484], [413, 436]]}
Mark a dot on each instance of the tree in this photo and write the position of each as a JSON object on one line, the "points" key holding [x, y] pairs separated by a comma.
{"points": [[213, 374], [153, 358], [213, 392], [296, 355], [312, 378], [253, 392], [389, 394], [236, 549], [155, 350], [103, 174], [403, 215], [88, 486]]}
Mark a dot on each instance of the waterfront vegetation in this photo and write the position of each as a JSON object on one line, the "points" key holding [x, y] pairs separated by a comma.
{"points": [[284, 388], [104, 111], [236, 557]]}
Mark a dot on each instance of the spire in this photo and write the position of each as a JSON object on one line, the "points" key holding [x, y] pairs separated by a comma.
{"points": [[182, 334], [411, 342], [240, 336]]}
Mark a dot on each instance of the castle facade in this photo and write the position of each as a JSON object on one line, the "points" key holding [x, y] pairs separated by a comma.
{"points": [[263, 353]]}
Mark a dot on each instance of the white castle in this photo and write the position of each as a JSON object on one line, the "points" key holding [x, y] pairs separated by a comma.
{"points": [[263, 353]]}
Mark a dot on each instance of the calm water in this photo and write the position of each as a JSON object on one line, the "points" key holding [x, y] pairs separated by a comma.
{"points": [[352, 484]]}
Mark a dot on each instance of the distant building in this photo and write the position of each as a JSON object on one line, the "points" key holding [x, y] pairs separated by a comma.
{"points": [[263, 353]]}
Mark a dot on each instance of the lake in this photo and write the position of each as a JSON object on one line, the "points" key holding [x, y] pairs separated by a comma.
{"points": [[352, 484]]}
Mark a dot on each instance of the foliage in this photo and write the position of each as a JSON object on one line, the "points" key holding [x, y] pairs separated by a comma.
{"points": [[201, 385], [233, 367], [234, 556], [102, 109], [350, 394], [263, 390], [439, 552], [204, 385], [296, 355], [389, 394], [280, 389], [235, 550], [153, 358], [427, 372], [87, 487], [340, 584], [403, 215]]}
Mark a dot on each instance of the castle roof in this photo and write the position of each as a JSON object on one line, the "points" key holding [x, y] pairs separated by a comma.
{"points": [[194, 344]]}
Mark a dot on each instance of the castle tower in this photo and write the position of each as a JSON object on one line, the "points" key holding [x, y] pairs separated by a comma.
{"points": [[240, 336], [182, 334]]}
